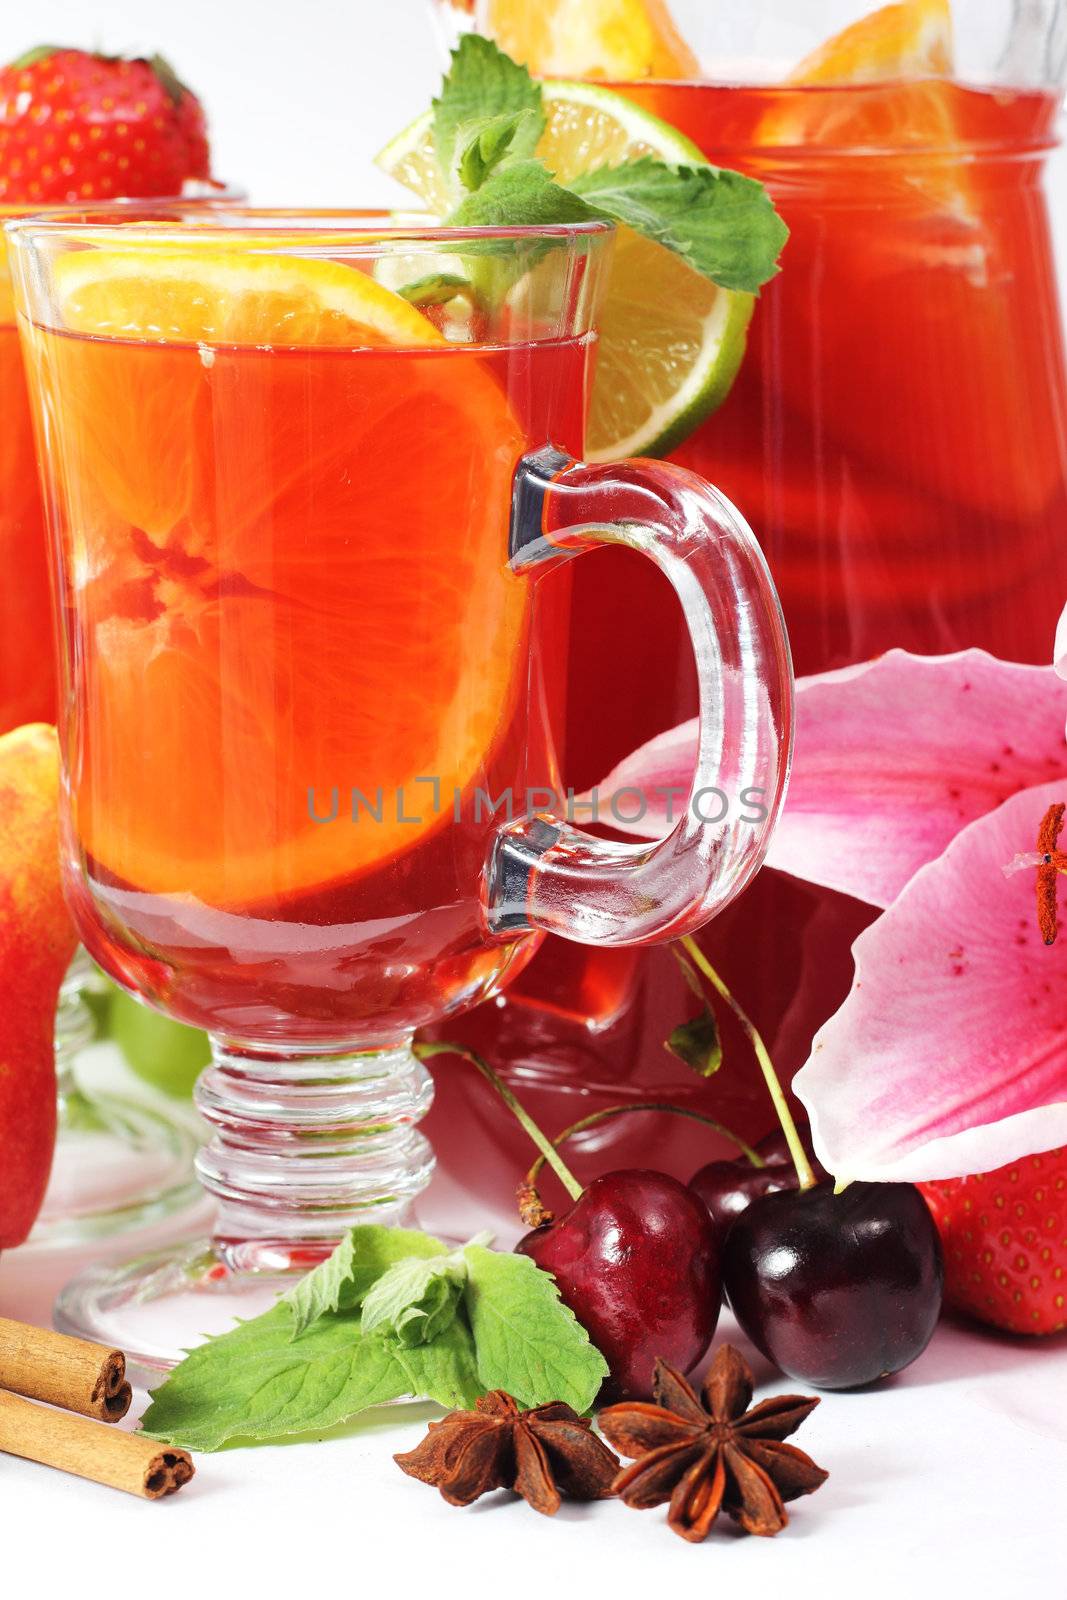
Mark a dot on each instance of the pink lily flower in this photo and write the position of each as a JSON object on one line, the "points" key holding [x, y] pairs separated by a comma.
{"points": [[916, 781]]}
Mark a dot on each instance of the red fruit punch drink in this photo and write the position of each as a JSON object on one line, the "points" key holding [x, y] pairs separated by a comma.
{"points": [[897, 437], [253, 728]]}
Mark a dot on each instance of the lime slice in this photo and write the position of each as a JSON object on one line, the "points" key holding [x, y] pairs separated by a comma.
{"points": [[670, 341], [670, 346]]}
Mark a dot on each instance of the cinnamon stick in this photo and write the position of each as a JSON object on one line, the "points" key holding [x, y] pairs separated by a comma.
{"points": [[72, 1373], [127, 1461]]}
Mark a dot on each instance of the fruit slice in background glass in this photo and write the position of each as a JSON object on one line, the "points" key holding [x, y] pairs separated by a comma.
{"points": [[76, 128]]}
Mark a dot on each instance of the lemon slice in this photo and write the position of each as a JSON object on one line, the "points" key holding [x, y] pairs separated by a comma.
{"points": [[670, 341]]}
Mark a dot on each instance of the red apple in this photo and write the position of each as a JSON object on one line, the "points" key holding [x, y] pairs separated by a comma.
{"points": [[37, 940]]}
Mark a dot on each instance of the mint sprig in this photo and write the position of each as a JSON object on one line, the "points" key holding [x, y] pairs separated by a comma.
{"points": [[484, 84], [487, 122], [391, 1313]]}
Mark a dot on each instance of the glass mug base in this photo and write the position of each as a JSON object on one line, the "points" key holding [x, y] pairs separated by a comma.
{"points": [[303, 1148], [118, 1165], [162, 1304]]}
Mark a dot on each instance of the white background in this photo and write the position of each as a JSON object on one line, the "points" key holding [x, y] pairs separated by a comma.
{"points": [[300, 94], [950, 1482]]}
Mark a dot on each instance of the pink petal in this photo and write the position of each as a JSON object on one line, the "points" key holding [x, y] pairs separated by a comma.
{"points": [[891, 759], [1059, 652], [950, 1054]]}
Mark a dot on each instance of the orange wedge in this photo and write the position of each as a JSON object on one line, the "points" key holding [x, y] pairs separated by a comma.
{"points": [[288, 560], [899, 60], [617, 39], [910, 39]]}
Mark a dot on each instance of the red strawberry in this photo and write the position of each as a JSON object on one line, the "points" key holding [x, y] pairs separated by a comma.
{"points": [[76, 126], [1004, 1235]]}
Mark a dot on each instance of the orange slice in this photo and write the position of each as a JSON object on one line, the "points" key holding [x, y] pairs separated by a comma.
{"points": [[618, 39], [897, 60], [910, 39], [289, 564]]}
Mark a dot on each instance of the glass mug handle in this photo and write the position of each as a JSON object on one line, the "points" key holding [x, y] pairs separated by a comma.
{"points": [[543, 872]]}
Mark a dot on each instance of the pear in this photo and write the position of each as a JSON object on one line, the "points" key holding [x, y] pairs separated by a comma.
{"points": [[37, 941]]}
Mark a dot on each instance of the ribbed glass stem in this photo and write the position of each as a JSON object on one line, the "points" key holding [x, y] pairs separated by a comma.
{"points": [[304, 1147]]}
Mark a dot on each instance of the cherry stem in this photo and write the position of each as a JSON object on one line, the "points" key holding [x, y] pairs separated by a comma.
{"points": [[424, 1049], [596, 1117], [805, 1175]]}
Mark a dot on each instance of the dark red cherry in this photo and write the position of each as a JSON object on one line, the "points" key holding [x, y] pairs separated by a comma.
{"points": [[637, 1260], [836, 1290], [729, 1187]]}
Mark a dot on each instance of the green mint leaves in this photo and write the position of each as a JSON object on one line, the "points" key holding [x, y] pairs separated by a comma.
{"points": [[488, 141], [483, 87], [522, 194], [391, 1313], [722, 223], [528, 1342], [343, 1279], [487, 122]]}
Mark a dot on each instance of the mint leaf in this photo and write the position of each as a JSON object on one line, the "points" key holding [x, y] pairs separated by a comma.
{"points": [[482, 83], [444, 1370], [697, 1043], [256, 1383], [416, 1299], [721, 222], [483, 144], [340, 1282], [436, 289], [526, 1340], [520, 195]]}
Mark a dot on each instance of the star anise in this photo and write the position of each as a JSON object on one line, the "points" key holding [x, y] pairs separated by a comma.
{"points": [[712, 1457], [537, 1453]]}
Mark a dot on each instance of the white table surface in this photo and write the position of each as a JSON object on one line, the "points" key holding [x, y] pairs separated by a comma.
{"points": [[949, 1482]]}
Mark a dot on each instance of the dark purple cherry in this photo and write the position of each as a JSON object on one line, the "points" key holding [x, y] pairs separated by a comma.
{"points": [[729, 1187], [836, 1290], [637, 1260]]}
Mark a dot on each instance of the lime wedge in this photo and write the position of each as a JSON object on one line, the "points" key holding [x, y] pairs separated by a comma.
{"points": [[670, 341]]}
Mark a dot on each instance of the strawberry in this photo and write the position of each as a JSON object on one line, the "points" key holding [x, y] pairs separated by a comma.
{"points": [[1004, 1235], [76, 126]]}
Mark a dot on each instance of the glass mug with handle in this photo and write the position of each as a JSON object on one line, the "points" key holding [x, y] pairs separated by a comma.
{"points": [[312, 537]]}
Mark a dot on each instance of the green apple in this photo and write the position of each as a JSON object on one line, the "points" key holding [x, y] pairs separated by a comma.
{"points": [[166, 1054]]}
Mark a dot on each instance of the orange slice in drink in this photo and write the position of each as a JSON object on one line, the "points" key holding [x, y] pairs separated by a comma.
{"points": [[619, 39], [910, 39], [892, 67], [287, 501]]}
